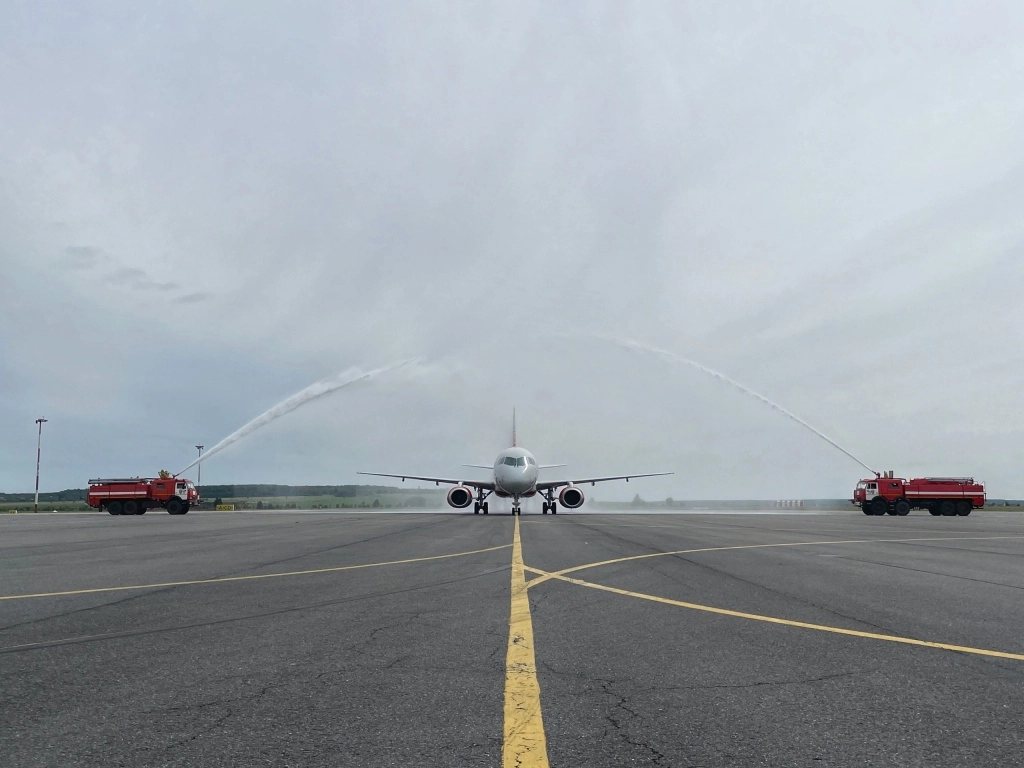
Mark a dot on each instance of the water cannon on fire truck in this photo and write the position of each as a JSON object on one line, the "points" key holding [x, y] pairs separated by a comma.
{"points": [[941, 496]]}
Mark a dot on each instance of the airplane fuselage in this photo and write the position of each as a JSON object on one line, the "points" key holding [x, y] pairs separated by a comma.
{"points": [[515, 473]]}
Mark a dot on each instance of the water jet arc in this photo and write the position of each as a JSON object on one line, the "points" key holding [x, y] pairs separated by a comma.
{"points": [[640, 347], [300, 398]]}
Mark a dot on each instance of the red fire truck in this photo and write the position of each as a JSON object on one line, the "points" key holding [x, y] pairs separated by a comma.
{"points": [[134, 495], [947, 496]]}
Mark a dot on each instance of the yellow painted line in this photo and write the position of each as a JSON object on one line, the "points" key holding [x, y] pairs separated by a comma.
{"points": [[547, 576], [788, 622], [250, 578], [525, 745]]}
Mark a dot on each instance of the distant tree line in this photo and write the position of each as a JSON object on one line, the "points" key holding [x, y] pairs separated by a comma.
{"points": [[270, 491], [234, 492], [72, 494]]}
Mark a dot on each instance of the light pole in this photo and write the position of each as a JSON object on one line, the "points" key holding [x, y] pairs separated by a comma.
{"points": [[199, 479], [39, 449]]}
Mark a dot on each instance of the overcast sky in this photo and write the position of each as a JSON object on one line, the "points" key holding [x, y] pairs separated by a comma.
{"points": [[206, 207]]}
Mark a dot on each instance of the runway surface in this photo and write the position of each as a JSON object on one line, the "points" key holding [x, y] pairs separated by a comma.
{"points": [[291, 639]]}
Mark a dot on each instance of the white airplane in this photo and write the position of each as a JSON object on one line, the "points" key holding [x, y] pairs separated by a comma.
{"points": [[515, 477]]}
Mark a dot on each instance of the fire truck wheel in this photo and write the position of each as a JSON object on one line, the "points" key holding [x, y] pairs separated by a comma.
{"points": [[902, 508], [866, 510], [947, 508], [963, 508], [114, 507], [933, 511], [131, 507], [174, 507], [879, 506]]}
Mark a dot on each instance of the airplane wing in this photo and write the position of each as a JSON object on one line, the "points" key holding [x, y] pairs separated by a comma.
{"points": [[593, 480], [435, 480]]}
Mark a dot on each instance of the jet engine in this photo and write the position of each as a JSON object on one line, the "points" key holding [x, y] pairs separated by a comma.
{"points": [[571, 497], [460, 497]]}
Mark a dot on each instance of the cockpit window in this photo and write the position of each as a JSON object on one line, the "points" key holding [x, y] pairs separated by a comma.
{"points": [[510, 460], [530, 461], [521, 461]]}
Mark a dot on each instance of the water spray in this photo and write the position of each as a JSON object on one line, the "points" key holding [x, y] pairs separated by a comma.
{"points": [[671, 356], [307, 395]]}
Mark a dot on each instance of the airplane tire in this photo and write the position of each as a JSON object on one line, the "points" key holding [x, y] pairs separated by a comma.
{"points": [[484, 507]]}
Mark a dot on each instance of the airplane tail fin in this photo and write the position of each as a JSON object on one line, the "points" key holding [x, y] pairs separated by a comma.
{"points": [[513, 427]]}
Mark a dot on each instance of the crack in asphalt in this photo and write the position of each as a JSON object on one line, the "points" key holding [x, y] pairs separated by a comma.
{"points": [[620, 725], [930, 573]]}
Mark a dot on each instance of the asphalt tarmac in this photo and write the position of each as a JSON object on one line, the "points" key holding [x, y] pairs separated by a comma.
{"points": [[291, 639]]}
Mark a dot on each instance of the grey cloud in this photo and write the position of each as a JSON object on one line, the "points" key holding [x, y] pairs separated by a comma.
{"points": [[139, 279], [195, 298]]}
